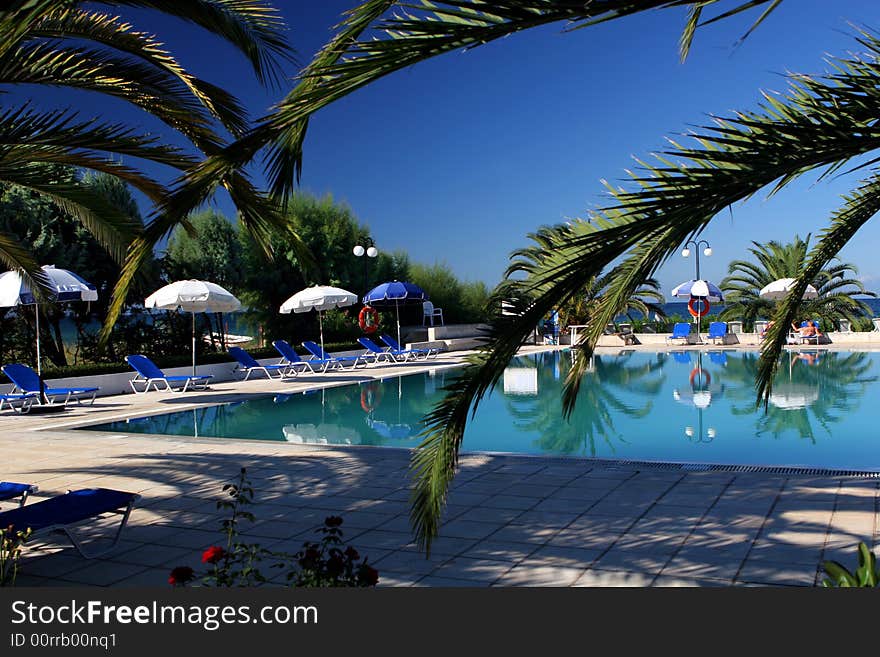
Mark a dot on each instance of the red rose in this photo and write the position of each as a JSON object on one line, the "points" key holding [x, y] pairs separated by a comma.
{"points": [[181, 575], [369, 575], [213, 554], [333, 521]]}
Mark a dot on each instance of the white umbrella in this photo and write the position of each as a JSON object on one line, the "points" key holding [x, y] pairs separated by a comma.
{"points": [[193, 296], [780, 288], [318, 298], [63, 285], [793, 396]]}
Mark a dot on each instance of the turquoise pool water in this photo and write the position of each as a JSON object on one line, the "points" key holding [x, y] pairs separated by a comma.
{"points": [[668, 406]]}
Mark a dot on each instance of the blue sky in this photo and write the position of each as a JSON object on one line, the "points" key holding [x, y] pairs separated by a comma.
{"points": [[457, 159]]}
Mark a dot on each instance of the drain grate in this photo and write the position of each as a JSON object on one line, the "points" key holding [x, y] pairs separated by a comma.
{"points": [[719, 467]]}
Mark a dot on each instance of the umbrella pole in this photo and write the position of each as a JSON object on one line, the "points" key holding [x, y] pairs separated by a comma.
{"points": [[397, 311], [39, 366], [194, 341], [321, 325]]}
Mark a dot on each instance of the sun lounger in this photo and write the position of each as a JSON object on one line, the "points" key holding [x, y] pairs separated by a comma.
{"points": [[10, 491], [150, 375], [27, 381], [398, 350], [248, 364], [59, 514], [333, 361], [377, 353], [717, 331], [293, 360], [681, 331], [24, 401]]}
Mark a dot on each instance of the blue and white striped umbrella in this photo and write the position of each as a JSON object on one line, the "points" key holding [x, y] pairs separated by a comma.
{"points": [[61, 286], [699, 289]]}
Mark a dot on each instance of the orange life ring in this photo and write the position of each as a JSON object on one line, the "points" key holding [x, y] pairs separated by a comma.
{"points": [[370, 395], [705, 378], [694, 312], [368, 319]]}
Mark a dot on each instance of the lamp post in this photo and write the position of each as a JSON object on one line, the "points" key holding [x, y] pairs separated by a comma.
{"points": [[702, 398], [686, 252], [367, 252]]}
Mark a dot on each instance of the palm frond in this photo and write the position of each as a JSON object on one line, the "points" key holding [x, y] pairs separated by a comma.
{"points": [[372, 43], [112, 32]]}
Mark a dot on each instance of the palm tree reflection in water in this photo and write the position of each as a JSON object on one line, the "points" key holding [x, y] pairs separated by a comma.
{"points": [[599, 401], [812, 387]]}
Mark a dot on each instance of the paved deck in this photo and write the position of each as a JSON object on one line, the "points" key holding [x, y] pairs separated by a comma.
{"points": [[510, 521]]}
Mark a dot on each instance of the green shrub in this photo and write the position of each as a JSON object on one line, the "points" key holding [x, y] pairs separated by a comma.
{"points": [[866, 575]]}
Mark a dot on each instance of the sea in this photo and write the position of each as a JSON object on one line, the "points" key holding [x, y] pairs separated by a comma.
{"points": [[681, 308]]}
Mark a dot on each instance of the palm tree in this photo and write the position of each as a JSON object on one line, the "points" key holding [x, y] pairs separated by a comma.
{"points": [[581, 307], [773, 260], [73, 44]]}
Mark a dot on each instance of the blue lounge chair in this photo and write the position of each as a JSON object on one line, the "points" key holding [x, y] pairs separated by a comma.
{"points": [[681, 331], [293, 360], [717, 331], [24, 401], [376, 353], [150, 375], [718, 357], [10, 490], [27, 381], [397, 350], [333, 361], [59, 513], [248, 364]]}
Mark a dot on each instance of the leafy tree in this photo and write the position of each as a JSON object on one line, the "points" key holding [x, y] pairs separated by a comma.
{"points": [[327, 229], [773, 260], [210, 251], [447, 292]]}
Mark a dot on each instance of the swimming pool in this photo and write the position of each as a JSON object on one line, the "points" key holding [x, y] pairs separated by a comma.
{"points": [[691, 406]]}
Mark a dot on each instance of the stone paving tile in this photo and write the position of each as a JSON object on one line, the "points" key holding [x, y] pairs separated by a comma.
{"points": [[549, 555], [469, 529], [501, 551], [543, 518], [481, 514], [602, 577], [482, 570], [642, 561], [777, 552], [52, 565], [524, 574], [449, 582], [106, 573], [664, 581], [516, 533], [152, 555], [767, 572], [407, 561], [396, 579], [378, 538], [701, 564], [150, 578], [510, 502]]}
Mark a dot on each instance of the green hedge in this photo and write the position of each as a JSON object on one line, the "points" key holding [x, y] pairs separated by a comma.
{"points": [[181, 360]]}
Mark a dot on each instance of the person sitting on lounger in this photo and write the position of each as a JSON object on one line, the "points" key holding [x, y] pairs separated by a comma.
{"points": [[808, 330], [764, 330]]}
